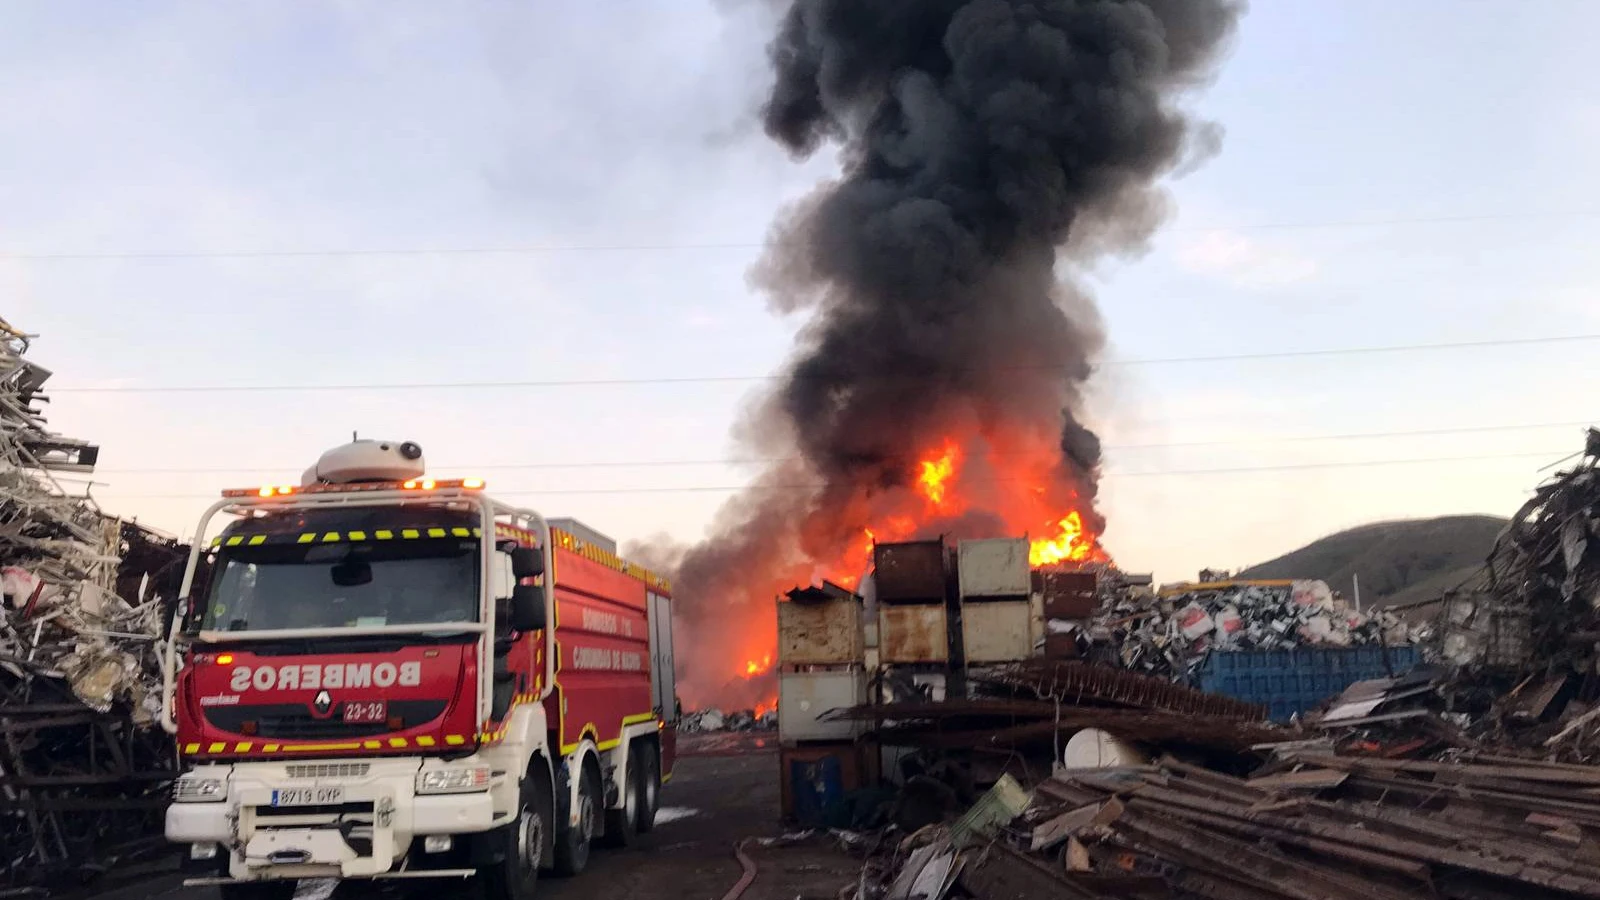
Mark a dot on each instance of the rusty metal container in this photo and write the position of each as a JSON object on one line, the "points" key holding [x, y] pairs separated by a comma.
{"points": [[817, 629], [913, 633], [997, 630], [910, 572], [993, 567], [803, 696], [1067, 595]]}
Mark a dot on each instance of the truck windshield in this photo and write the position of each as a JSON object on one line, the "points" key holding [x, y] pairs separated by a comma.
{"points": [[344, 585]]}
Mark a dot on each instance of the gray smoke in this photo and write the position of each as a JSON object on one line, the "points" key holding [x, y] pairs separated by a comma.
{"points": [[989, 148]]}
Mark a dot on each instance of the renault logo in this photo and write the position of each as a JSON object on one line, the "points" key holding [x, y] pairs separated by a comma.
{"points": [[324, 701]]}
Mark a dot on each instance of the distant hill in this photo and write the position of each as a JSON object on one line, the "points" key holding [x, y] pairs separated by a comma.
{"points": [[1398, 561]]}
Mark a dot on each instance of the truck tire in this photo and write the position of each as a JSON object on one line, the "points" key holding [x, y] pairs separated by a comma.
{"points": [[259, 890], [573, 842], [649, 770], [516, 875], [622, 825]]}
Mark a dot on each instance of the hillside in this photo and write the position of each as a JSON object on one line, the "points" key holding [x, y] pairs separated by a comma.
{"points": [[1398, 561]]}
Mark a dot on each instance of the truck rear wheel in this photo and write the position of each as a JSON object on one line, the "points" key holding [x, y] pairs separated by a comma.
{"points": [[259, 890], [622, 825], [649, 770], [573, 841], [515, 876]]}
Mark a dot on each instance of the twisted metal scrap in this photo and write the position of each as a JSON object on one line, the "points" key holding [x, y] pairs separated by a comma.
{"points": [[1547, 559], [82, 772]]}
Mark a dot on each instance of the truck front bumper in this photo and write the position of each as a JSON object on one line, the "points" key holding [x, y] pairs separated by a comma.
{"points": [[366, 821]]}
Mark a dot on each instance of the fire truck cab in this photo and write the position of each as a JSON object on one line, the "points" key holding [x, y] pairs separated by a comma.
{"points": [[380, 675]]}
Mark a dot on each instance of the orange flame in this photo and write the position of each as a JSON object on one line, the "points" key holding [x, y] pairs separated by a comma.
{"points": [[753, 668], [765, 707], [934, 475], [1071, 545]]}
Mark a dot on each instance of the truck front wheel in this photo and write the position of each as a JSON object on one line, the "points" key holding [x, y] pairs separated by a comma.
{"points": [[573, 841], [517, 873], [259, 890]]}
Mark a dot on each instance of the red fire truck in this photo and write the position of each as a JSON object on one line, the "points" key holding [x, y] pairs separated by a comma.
{"points": [[381, 675]]}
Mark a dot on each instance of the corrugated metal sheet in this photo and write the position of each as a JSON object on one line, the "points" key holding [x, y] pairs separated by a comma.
{"points": [[994, 567], [913, 633], [997, 631]]}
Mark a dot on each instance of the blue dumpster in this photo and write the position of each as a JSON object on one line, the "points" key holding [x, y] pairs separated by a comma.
{"points": [[1292, 682]]}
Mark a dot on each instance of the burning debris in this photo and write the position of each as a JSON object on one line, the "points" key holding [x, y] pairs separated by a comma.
{"points": [[79, 679], [990, 150]]}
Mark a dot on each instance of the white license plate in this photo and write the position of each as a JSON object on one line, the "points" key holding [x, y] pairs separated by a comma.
{"points": [[308, 796]]}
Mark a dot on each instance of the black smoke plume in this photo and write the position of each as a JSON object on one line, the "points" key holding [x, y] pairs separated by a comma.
{"points": [[989, 148]]}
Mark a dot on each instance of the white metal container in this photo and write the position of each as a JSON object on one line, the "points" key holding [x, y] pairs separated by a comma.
{"points": [[993, 567], [803, 696], [997, 630]]}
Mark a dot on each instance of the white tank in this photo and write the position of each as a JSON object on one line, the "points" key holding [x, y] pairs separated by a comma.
{"points": [[367, 460], [1092, 748]]}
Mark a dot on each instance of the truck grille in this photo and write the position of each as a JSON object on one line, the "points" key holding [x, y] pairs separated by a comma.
{"points": [[327, 770], [290, 720]]}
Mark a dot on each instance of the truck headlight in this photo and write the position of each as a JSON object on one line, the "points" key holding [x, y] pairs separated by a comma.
{"points": [[199, 789], [453, 780]]}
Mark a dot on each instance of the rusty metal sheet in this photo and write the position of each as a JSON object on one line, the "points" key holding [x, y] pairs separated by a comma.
{"points": [[826, 632], [1061, 646], [993, 567], [910, 572], [913, 634], [997, 631], [999, 873]]}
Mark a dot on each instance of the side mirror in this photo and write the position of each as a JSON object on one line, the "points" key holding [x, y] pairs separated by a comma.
{"points": [[526, 562], [527, 608]]}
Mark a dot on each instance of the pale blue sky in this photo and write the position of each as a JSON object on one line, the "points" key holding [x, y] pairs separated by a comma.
{"points": [[189, 128]]}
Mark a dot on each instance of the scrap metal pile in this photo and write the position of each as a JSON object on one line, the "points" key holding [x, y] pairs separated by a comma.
{"points": [[1306, 825], [82, 768], [1172, 635], [1518, 656]]}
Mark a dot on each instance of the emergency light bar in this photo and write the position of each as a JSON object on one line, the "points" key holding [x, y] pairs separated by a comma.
{"points": [[415, 484]]}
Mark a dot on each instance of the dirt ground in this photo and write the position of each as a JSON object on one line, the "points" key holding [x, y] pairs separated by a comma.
{"points": [[724, 791]]}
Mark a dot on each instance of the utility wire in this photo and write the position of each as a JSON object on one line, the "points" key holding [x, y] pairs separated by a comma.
{"points": [[655, 463], [710, 379], [694, 489], [653, 247]]}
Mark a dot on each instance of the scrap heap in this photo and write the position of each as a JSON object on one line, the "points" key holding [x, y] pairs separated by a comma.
{"points": [[1172, 635], [1306, 825], [1517, 654], [82, 767]]}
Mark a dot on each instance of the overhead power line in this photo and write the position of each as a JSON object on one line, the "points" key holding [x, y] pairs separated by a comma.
{"points": [[714, 379], [728, 489], [757, 461], [659, 247]]}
